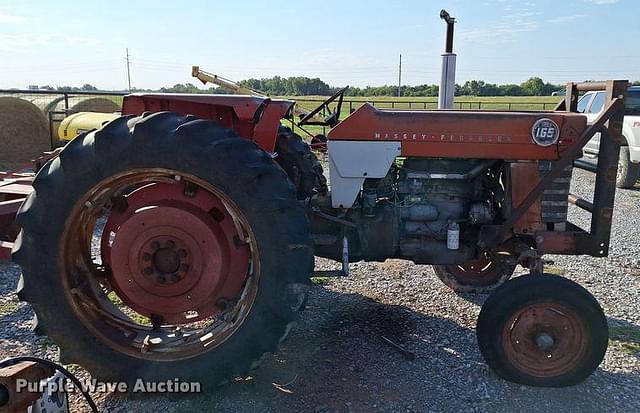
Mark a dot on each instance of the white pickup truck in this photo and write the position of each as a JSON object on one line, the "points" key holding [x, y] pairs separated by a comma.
{"points": [[591, 104]]}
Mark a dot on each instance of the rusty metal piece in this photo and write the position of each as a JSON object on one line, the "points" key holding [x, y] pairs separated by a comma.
{"points": [[550, 242], [523, 176], [14, 188], [544, 339], [408, 355], [19, 401]]}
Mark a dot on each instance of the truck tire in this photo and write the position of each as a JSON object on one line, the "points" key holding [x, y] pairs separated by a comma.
{"points": [[299, 162], [478, 276], [628, 172], [542, 330], [198, 311]]}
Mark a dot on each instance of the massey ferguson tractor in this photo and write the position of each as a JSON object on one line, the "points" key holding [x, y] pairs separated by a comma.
{"points": [[178, 239]]}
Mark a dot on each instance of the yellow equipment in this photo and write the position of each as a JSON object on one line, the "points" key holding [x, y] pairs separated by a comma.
{"points": [[80, 122], [230, 85]]}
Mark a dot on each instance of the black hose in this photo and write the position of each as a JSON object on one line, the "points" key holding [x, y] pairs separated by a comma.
{"points": [[15, 360]]}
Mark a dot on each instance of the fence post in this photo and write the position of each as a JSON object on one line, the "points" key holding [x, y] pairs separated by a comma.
{"points": [[66, 102]]}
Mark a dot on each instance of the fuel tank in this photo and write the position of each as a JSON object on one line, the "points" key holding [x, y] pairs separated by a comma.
{"points": [[80, 122]]}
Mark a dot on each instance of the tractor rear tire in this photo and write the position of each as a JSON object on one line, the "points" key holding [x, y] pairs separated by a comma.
{"points": [[628, 172], [542, 330], [300, 163], [184, 147]]}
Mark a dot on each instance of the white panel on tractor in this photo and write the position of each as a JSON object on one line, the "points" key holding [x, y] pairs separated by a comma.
{"points": [[351, 162]]}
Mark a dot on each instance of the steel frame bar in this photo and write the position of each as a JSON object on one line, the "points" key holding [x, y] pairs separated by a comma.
{"points": [[575, 240]]}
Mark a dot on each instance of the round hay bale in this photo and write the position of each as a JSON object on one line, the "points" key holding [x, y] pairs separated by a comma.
{"points": [[100, 104], [24, 133], [83, 104]]}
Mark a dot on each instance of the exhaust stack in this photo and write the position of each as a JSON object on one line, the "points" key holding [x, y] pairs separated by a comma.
{"points": [[448, 76]]}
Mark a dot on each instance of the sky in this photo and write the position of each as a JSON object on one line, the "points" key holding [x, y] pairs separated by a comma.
{"points": [[343, 42]]}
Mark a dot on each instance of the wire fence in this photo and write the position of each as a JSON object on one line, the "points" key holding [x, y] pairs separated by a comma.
{"points": [[461, 103]]}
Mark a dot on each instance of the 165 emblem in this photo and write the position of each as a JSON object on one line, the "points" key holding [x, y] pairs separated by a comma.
{"points": [[545, 132]]}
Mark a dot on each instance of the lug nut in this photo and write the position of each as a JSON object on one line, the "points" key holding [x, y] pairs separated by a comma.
{"points": [[182, 253], [162, 279], [148, 271], [155, 245], [170, 244], [146, 256], [184, 268]]}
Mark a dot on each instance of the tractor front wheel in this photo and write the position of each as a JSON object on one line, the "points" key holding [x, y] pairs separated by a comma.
{"points": [[477, 276], [542, 330], [163, 246], [300, 163]]}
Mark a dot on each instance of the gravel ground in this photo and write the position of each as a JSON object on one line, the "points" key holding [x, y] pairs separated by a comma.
{"points": [[336, 359]]}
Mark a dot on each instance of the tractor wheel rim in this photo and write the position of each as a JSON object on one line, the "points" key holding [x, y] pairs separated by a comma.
{"points": [[178, 273], [483, 271], [545, 339]]}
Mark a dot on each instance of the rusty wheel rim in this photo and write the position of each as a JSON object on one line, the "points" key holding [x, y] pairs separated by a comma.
{"points": [[159, 265], [480, 272], [544, 339]]}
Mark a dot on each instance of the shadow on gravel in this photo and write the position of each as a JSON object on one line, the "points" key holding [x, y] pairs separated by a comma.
{"points": [[624, 336], [336, 360]]}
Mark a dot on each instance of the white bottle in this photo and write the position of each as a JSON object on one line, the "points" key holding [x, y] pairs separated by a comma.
{"points": [[453, 236]]}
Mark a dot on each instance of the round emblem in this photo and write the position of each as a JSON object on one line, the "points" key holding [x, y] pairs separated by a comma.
{"points": [[545, 132]]}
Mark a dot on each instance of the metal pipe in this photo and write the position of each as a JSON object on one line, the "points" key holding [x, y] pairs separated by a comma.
{"points": [[450, 22], [586, 165], [580, 202], [591, 86]]}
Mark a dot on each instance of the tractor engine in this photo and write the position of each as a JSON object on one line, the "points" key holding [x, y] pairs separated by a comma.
{"points": [[425, 210]]}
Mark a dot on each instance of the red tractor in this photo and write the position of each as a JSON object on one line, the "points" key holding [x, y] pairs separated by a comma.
{"points": [[178, 239]]}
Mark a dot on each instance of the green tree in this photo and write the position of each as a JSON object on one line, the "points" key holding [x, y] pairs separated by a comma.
{"points": [[534, 87]]}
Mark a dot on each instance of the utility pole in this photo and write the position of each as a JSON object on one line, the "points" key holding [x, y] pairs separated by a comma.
{"points": [[128, 70], [400, 75]]}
